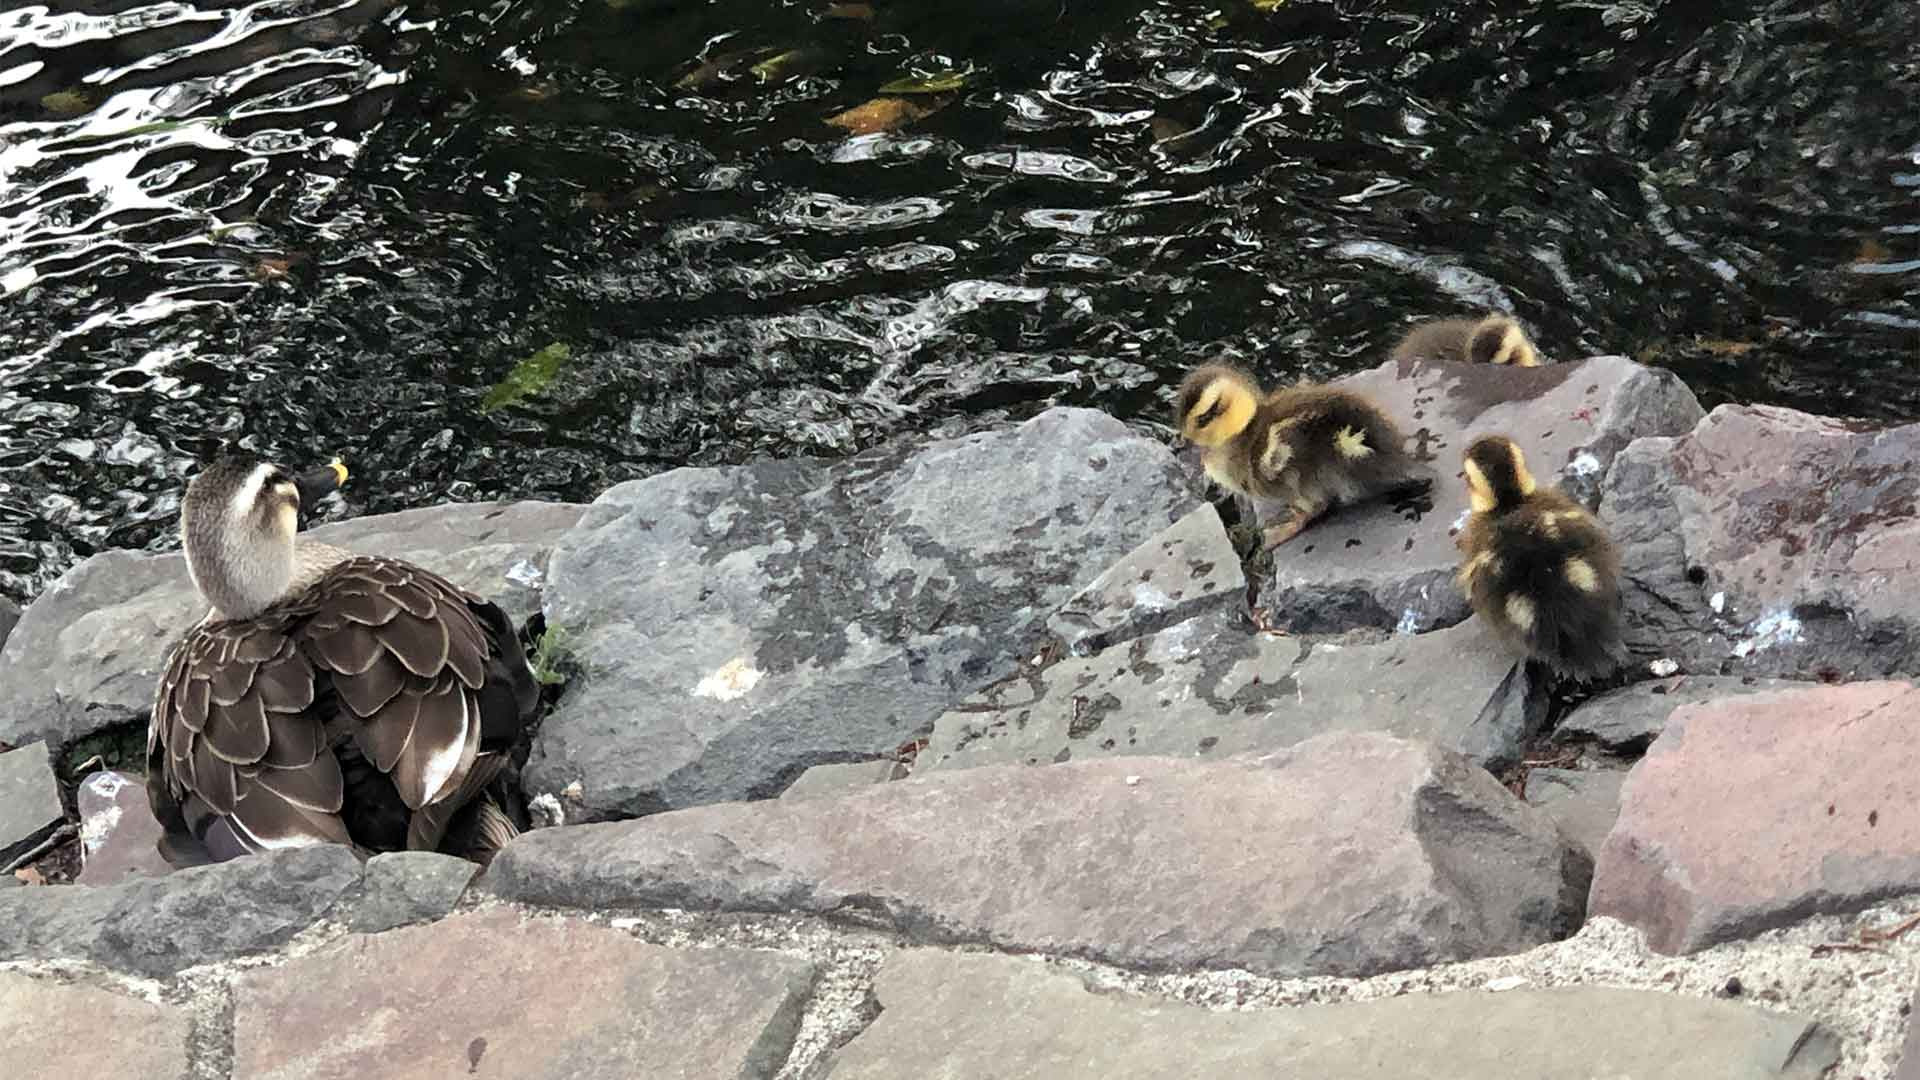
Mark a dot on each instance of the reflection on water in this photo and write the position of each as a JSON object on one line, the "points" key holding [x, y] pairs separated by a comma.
{"points": [[315, 226]]}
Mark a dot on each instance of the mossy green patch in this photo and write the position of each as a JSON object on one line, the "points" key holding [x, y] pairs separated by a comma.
{"points": [[528, 377]]}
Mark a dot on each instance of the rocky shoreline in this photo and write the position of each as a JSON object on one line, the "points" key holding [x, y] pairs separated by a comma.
{"points": [[991, 755]]}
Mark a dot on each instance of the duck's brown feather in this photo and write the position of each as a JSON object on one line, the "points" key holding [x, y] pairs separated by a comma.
{"points": [[390, 658]]}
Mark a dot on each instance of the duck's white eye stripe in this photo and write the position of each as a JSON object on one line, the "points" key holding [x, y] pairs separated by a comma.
{"points": [[247, 496]]}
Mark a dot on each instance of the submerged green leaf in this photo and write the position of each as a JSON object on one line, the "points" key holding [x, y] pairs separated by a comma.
{"points": [[791, 63], [528, 377], [939, 82]]}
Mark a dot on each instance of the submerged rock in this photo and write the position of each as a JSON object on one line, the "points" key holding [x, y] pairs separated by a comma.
{"points": [[738, 625], [1346, 855], [87, 653], [1771, 542], [1371, 566]]}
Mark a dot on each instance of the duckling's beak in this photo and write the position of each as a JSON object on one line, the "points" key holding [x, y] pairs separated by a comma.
{"points": [[318, 483]]}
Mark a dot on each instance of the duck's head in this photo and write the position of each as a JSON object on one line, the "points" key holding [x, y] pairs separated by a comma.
{"points": [[1497, 476], [1499, 340], [1215, 404], [237, 525]]}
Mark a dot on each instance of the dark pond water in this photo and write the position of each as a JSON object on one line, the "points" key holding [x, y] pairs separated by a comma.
{"points": [[315, 226]]}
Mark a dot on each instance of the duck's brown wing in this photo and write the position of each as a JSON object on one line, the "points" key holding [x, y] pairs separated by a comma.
{"points": [[418, 664], [236, 755], [386, 653]]}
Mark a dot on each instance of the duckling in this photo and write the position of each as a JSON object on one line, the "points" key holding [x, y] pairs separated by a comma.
{"points": [[326, 697], [1537, 567], [1310, 447], [1495, 339]]}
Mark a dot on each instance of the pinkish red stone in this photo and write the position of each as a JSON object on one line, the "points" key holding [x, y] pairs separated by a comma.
{"points": [[1750, 813], [50, 1029], [495, 995], [118, 831]]}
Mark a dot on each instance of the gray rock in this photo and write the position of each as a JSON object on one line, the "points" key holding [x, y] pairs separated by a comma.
{"points": [[493, 994], [87, 653], [1346, 855], [1626, 720], [29, 800], [1583, 802], [157, 926], [408, 887], [50, 1029], [1188, 569], [9, 617], [839, 779], [1371, 566], [1011, 1019], [738, 625], [1213, 686], [119, 835], [1910, 1052], [1771, 542]]}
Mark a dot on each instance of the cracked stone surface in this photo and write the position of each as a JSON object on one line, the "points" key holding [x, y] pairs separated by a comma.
{"points": [[1348, 854], [29, 800], [977, 1016], [157, 926], [738, 625], [1771, 542], [87, 653], [1188, 569], [1372, 566], [491, 994], [1212, 686], [1626, 720], [1753, 812], [104, 1033]]}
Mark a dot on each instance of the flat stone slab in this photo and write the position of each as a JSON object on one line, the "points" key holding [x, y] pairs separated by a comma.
{"points": [[404, 887], [119, 836], [1626, 720], [978, 1016], [1189, 569], [88, 1031], [491, 994], [1583, 802], [1349, 854], [29, 800], [1213, 686], [1758, 811], [840, 779], [1771, 542], [87, 653], [158, 926], [1371, 566], [738, 625], [1910, 1051]]}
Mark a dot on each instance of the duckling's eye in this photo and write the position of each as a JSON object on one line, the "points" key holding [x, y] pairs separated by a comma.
{"points": [[1212, 413]]}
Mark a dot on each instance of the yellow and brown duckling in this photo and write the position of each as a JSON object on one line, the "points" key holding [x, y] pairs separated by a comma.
{"points": [[1495, 339], [1538, 567], [327, 697], [1310, 447]]}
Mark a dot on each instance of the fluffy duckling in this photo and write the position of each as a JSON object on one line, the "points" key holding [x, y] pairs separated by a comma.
{"points": [[1495, 339], [1537, 567], [1310, 447], [326, 697]]}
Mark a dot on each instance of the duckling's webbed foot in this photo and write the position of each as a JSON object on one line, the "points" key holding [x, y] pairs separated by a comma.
{"points": [[1304, 514]]}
